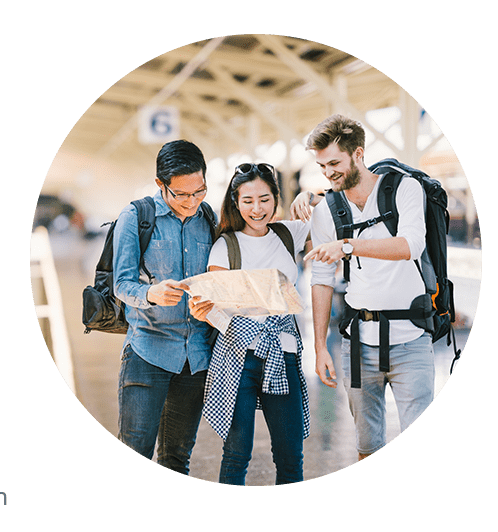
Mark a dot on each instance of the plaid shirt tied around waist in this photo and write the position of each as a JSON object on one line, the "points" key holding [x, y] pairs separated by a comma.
{"points": [[227, 362]]}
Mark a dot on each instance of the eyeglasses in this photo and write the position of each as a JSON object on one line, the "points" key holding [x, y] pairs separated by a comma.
{"points": [[262, 168], [182, 196]]}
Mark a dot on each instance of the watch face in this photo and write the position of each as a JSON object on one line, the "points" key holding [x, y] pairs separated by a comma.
{"points": [[347, 248]]}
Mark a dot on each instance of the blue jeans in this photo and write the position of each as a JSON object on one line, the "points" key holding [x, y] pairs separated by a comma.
{"points": [[284, 418], [411, 378], [144, 392]]}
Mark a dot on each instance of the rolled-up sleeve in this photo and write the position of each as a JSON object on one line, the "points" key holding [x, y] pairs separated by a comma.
{"points": [[410, 201], [322, 231], [126, 259]]}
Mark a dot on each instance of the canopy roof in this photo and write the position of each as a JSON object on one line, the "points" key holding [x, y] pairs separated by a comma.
{"points": [[233, 93]]}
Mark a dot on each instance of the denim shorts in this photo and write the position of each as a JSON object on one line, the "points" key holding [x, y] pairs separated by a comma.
{"points": [[411, 378]]}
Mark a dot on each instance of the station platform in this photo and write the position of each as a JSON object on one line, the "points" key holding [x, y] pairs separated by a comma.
{"points": [[96, 362]]}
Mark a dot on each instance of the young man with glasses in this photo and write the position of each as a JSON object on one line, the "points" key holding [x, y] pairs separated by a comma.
{"points": [[166, 351]]}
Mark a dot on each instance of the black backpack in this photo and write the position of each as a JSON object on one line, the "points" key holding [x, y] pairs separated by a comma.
{"points": [[102, 310], [437, 313]]}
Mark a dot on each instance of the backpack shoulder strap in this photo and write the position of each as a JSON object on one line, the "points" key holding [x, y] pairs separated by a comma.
{"points": [[341, 214], [285, 236], [386, 200], [343, 221], [210, 217], [146, 214], [234, 258], [105, 261], [395, 171]]}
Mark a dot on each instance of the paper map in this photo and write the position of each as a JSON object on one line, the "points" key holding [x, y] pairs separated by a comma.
{"points": [[245, 293]]}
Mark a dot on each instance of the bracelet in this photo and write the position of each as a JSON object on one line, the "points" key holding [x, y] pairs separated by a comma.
{"points": [[312, 197]]}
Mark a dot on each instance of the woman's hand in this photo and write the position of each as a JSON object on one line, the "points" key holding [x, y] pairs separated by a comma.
{"points": [[200, 309]]}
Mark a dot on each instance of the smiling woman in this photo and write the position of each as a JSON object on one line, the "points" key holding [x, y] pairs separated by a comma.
{"points": [[256, 205], [256, 363], [232, 218]]}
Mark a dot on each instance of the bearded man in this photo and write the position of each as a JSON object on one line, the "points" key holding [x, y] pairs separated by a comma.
{"points": [[382, 276]]}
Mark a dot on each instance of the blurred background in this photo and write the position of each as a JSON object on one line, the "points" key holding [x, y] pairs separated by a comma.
{"points": [[239, 98]]}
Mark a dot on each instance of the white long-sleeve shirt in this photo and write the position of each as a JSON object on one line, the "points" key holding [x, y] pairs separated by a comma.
{"points": [[379, 284]]}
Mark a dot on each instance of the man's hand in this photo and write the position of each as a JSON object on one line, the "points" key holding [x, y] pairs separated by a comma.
{"points": [[329, 252], [167, 293], [323, 364], [200, 309]]}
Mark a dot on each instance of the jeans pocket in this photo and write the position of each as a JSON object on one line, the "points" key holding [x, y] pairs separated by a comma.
{"points": [[422, 343], [126, 353], [290, 359]]}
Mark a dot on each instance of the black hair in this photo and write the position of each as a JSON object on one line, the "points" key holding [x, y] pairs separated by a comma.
{"points": [[230, 217], [179, 157]]}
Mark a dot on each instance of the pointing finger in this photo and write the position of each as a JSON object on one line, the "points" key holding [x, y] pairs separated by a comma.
{"points": [[310, 255]]}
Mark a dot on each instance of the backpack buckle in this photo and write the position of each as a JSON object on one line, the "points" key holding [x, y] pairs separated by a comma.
{"points": [[369, 315]]}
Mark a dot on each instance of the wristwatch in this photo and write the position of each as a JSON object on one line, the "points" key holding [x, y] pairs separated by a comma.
{"points": [[347, 248]]}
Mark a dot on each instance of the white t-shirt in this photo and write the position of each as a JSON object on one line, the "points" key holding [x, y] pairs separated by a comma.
{"points": [[379, 284], [265, 252]]}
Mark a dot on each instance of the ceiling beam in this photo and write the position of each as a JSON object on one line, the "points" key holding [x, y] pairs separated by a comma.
{"points": [[307, 73], [244, 94], [253, 62], [162, 95], [328, 91], [231, 134]]}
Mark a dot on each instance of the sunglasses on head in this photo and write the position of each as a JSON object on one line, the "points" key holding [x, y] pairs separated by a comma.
{"points": [[262, 168]]}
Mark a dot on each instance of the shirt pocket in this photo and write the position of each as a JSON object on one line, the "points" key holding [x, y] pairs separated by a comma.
{"points": [[201, 261], [163, 259]]}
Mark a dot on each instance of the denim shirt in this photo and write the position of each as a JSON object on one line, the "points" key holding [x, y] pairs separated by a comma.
{"points": [[163, 336]]}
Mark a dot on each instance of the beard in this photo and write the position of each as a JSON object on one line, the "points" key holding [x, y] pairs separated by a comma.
{"points": [[351, 179]]}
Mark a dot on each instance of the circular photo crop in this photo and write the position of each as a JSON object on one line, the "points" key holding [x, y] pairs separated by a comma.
{"points": [[256, 260]]}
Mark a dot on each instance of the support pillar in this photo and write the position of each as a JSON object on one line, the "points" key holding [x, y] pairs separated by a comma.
{"points": [[410, 118]]}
